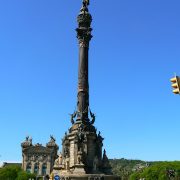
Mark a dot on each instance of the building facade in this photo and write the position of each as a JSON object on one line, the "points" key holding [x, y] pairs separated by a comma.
{"points": [[39, 159]]}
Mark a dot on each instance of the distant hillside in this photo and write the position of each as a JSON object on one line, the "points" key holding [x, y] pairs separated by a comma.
{"points": [[159, 170], [137, 169], [124, 167]]}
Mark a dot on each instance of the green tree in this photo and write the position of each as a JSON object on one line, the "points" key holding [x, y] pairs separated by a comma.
{"points": [[9, 173], [159, 171], [14, 173], [22, 175]]}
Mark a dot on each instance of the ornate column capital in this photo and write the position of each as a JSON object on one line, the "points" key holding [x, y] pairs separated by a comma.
{"points": [[84, 29]]}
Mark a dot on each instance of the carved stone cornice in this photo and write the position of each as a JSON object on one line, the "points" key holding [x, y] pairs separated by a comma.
{"points": [[38, 149], [84, 36]]}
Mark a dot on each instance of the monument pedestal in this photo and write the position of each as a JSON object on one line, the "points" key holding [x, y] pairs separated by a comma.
{"points": [[79, 169], [89, 177]]}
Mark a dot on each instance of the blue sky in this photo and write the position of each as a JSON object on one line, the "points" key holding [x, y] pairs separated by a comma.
{"points": [[134, 53]]}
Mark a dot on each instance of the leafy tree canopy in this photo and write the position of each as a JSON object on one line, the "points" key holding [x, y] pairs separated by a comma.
{"points": [[159, 171], [14, 173]]}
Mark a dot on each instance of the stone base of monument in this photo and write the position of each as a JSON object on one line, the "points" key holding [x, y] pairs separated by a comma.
{"points": [[79, 169], [89, 177]]}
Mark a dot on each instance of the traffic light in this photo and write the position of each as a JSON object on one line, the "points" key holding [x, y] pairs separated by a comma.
{"points": [[176, 84]]}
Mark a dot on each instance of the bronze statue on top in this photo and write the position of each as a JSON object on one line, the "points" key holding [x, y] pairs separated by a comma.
{"points": [[85, 3]]}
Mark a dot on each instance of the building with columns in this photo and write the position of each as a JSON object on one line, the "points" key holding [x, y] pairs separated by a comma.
{"points": [[39, 159]]}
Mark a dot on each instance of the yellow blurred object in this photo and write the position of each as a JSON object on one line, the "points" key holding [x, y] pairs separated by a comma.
{"points": [[52, 176]]}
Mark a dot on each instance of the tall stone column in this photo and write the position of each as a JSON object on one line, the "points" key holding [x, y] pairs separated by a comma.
{"points": [[25, 166], [40, 168], [81, 145], [84, 36], [32, 167], [48, 169], [72, 153]]}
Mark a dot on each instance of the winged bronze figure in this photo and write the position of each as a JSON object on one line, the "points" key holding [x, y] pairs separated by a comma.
{"points": [[73, 116], [93, 117]]}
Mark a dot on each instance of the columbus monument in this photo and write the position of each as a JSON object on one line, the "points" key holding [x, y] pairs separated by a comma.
{"points": [[81, 157]]}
